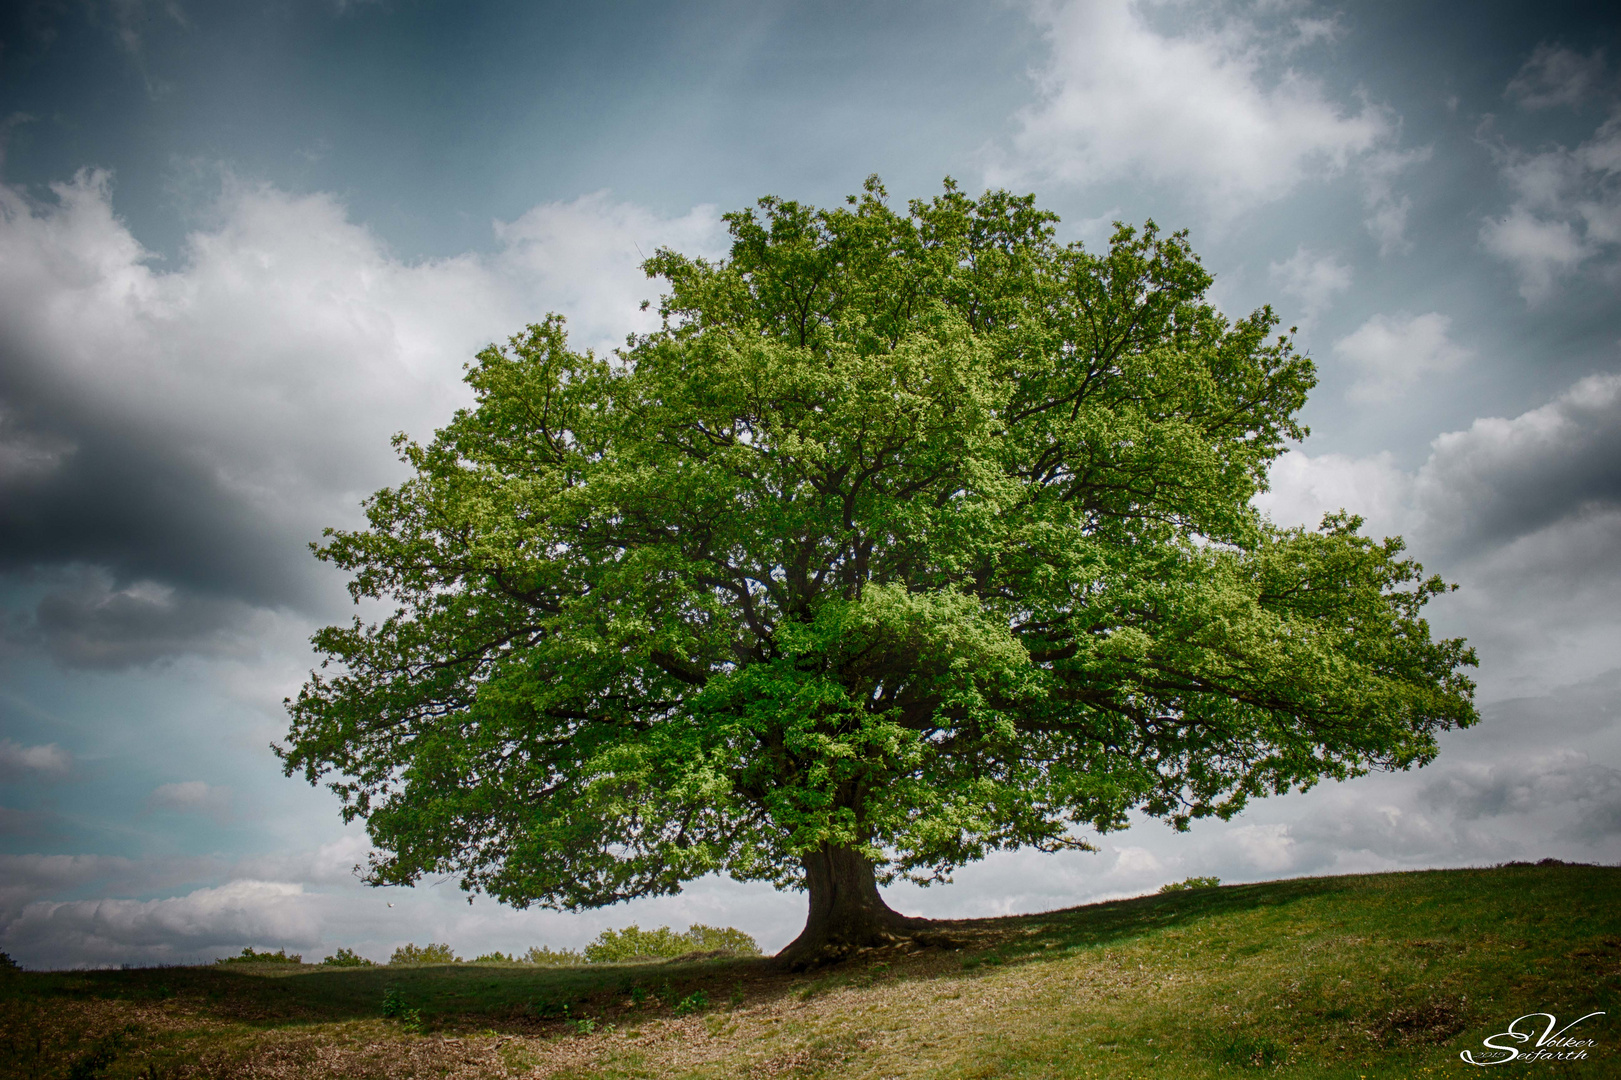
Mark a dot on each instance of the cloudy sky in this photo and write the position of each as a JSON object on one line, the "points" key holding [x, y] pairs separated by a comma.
{"points": [[242, 244]]}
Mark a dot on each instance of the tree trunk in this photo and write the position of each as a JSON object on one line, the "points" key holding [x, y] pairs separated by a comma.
{"points": [[846, 912]]}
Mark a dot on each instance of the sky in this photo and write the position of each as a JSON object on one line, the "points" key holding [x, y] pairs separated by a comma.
{"points": [[243, 244]]}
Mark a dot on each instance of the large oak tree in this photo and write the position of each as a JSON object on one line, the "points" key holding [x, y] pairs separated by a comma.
{"points": [[907, 537]]}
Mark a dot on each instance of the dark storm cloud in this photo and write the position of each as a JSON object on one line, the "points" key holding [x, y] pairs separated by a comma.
{"points": [[85, 621], [1503, 479], [121, 498], [171, 440], [1537, 491], [1588, 793]]}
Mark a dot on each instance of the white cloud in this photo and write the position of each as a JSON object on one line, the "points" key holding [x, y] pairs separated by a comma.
{"points": [[1541, 250], [333, 863], [1258, 849], [583, 257], [19, 762], [1566, 204], [191, 797], [1387, 208], [1205, 108], [1304, 488], [1312, 279], [1393, 352], [1555, 75]]}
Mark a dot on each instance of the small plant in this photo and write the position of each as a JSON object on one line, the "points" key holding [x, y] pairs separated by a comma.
{"points": [[395, 1008], [639, 995], [1190, 883], [280, 956], [737, 995], [546, 1009], [697, 1001], [94, 1064], [585, 1025], [542, 956], [347, 958], [1250, 1051], [430, 953]]}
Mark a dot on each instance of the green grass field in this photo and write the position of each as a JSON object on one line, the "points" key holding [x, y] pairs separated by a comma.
{"points": [[1386, 975]]}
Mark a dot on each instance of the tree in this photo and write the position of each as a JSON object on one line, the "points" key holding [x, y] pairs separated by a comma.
{"points": [[908, 536]]}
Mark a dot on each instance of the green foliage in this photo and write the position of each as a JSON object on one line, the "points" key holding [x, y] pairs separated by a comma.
{"points": [[424, 954], [1190, 883], [249, 956], [633, 943], [346, 958], [544, 956], [915, 533], [495, 958]]}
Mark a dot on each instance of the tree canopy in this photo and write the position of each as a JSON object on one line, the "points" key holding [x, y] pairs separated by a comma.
{"points": [[907, 536]]}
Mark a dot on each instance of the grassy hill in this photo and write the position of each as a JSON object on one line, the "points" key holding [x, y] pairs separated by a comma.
{"points": [[1385, 975]]}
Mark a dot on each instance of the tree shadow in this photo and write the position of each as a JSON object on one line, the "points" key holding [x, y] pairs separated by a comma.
{"points": [[523, 999]]}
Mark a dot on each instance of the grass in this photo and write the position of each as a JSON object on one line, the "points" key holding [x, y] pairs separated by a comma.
{"points": [[1386, 975]]}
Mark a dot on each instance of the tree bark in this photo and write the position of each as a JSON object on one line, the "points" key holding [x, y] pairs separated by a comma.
{"points": [[846, 912]]}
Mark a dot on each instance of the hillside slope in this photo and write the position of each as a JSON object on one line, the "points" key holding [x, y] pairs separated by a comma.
{"points": [[1386, 975]]}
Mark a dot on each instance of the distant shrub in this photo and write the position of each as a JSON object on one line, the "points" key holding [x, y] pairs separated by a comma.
{"points": [[280, 956], [346, 958], [721, 939], [495, 958], [430, 953], [546, 957], [633, 943], [8, 966], [1190, 883]]}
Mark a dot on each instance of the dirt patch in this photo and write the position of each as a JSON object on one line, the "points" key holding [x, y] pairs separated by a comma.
{"points": [[816, 1058], [1433, 1021]]}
